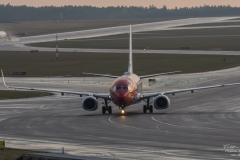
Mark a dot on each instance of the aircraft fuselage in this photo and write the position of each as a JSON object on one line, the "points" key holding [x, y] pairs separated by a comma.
{"points": [[126, 90]]}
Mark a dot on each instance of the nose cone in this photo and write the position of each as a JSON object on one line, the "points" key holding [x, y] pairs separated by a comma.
{"points": [[122, 98], [122, 91]]}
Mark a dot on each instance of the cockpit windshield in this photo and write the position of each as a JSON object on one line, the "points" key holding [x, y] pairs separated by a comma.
{"points": [[118, 87], [122, 88]]}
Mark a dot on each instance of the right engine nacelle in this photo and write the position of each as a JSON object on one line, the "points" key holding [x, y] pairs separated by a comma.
{"points": [[90, 103], [161, 102]]}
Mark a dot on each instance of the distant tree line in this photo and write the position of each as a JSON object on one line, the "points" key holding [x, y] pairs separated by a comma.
{"points": [[25, 13]]}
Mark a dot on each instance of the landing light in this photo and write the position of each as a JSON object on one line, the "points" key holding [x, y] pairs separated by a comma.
{"points": [[123, 112]]}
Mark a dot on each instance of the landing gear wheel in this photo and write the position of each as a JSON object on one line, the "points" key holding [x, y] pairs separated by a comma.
{"points": [[110, 109], [103, 110], [151, 109], [144, 109]]}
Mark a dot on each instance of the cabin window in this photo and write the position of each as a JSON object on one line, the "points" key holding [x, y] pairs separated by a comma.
{"points": [[124, 88]]}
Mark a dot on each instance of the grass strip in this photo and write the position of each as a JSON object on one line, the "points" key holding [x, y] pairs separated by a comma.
{"points": [[12, 94], [44, 64], [12, 154]]}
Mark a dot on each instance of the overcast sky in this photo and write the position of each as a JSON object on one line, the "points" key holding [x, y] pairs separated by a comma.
{"points": [[100, 3]]}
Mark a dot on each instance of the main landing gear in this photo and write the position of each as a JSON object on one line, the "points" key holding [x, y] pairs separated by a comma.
{"points": [[148, 107], [107, 108]]}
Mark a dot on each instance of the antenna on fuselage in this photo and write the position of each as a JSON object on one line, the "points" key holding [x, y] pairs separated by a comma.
{"points": [[130, 65]]}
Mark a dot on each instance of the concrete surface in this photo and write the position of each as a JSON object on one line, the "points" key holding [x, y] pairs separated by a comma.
{"points": [[196, 126]]}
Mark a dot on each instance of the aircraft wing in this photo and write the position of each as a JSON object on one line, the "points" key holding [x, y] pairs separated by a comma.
{"points": [[160, 74], [150, 95], [97, 95], [101, 75]]}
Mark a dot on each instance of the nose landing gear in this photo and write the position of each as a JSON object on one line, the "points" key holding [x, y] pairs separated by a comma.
{"points": [[122, 112]]}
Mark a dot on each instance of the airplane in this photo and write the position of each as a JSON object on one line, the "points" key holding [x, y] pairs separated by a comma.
{"points": [[125, 91], [3, 34]]}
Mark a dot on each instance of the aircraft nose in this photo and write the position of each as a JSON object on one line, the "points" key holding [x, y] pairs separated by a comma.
{"points": [[122, 98], [121, 94]]}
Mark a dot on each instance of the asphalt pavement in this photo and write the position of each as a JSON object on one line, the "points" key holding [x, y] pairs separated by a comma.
{"points": [[195, 126], [203, 125]]}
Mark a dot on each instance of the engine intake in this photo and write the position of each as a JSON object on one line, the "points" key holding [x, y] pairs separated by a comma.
{"points": [[161, 102], [90, 103]]}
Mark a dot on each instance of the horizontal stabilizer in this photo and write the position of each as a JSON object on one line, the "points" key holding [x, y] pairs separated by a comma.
{"points": [[101, 75], [160, 74]]}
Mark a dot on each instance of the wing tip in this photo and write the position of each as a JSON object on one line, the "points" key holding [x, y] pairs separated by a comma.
{"points": [[3, 78], [2, 73]]}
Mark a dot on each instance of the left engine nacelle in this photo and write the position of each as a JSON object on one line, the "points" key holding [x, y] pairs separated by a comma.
{"points": [[90, 103], [161, 102]]}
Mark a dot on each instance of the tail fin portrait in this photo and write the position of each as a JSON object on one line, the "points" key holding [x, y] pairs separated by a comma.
{"points": [[130, 65]]}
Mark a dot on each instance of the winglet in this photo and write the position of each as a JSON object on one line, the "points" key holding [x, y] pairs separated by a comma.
{"points": [[3, 79]]}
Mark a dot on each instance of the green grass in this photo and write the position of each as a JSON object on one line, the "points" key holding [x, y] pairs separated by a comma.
{"points": [[12, 94], [209, 39], [44, 63], [12, 154], [153, 40]]}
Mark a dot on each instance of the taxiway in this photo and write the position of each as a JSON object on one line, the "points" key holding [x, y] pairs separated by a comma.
{"points": [[196, 126], [18, 44]]}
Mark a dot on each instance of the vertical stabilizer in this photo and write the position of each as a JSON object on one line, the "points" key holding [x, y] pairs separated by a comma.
{"points": [[130, 65]]}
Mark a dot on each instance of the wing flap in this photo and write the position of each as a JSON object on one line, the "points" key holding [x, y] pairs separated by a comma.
{"points": [[199, 88], [150, 95], [97, 95]]}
